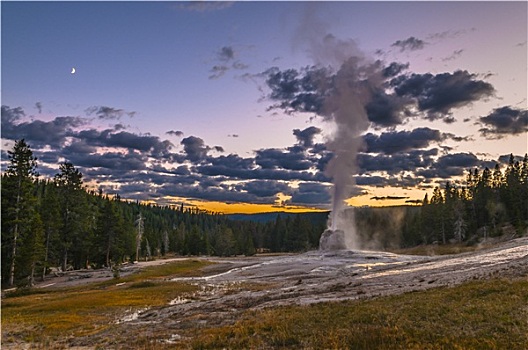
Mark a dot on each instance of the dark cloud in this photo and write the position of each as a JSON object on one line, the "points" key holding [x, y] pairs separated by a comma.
{"points": [[124, 139], [226, 54], [394, 69], [401, 96], [273, 158], [264, 188], [11, 115], [105, 112], [226, 57], [396, 163], [79, 147], [399, 141], [39, 133], [176, 133], [453, 56], [195, 148], [390, 198], [410, 44], [388, 109], [299, 91], [305, 137], [311, 194], [38, 106], [450, 165], [504, 121], [438, 94], [143, 143], [120, 162], [218, 71], [370, 180]]}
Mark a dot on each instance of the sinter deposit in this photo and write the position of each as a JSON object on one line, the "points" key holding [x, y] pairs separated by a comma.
{"points": [[332, 240]]}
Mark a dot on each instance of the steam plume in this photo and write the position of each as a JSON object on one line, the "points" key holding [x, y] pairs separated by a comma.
{"points": [[346, 94], [338, 87]]}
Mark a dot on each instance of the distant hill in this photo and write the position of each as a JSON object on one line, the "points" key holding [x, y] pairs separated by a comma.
{"points": [[272, 216]]}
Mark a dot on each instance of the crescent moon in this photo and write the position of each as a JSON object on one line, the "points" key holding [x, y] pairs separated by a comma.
{"points": [[73, 71]]}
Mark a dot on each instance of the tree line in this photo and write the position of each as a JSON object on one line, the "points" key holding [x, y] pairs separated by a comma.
{"points": [[492, 202], [49, 223]]}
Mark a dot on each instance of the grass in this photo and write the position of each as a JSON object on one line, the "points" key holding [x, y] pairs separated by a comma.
{"points": [[49, 314], [489, 314]]}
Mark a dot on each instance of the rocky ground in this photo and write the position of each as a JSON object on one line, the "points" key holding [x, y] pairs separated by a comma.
{"points": [[312, 278]]}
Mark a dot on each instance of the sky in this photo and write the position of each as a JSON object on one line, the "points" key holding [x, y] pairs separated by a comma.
{"points": [[258, 106]]}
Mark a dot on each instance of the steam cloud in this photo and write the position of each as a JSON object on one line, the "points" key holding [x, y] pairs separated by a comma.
{"points": [[338, 88]]}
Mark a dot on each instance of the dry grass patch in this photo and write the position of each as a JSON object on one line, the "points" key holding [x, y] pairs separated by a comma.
{"points": [[477, 315], [81, 311]]}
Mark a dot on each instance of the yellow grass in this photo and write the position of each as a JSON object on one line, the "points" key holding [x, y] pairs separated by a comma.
{"points": [[478, 315], [84, 310]]}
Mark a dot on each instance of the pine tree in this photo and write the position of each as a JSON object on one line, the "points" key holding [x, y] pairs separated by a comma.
{"points": [[51, 219], [74, 214], [32, 250], [110, 234], [18, 203]]}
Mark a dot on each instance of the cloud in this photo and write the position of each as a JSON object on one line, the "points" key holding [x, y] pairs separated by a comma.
{"points": [[394, 69], [438, 94], [398, 141], [311, 194], [388, 110], [450, 165], [226, 54], [299, 91], [504, 121], [400, 96], [272, 158], [205, 6], [38, 106], [385, 198], [410, 44], [396, 163], [120, 162], [264, 188], [38, 132], [124, 139], [226, 57], [195, 148], [449, 34], [305, 137], [454, 55], [105, 112], [176, 133], [11, 115]]}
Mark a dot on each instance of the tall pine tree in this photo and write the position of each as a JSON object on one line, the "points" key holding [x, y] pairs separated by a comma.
{"points": [[18, 204]]}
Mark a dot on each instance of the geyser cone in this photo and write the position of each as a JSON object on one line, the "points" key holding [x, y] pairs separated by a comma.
{"points": [[332, 240]]}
